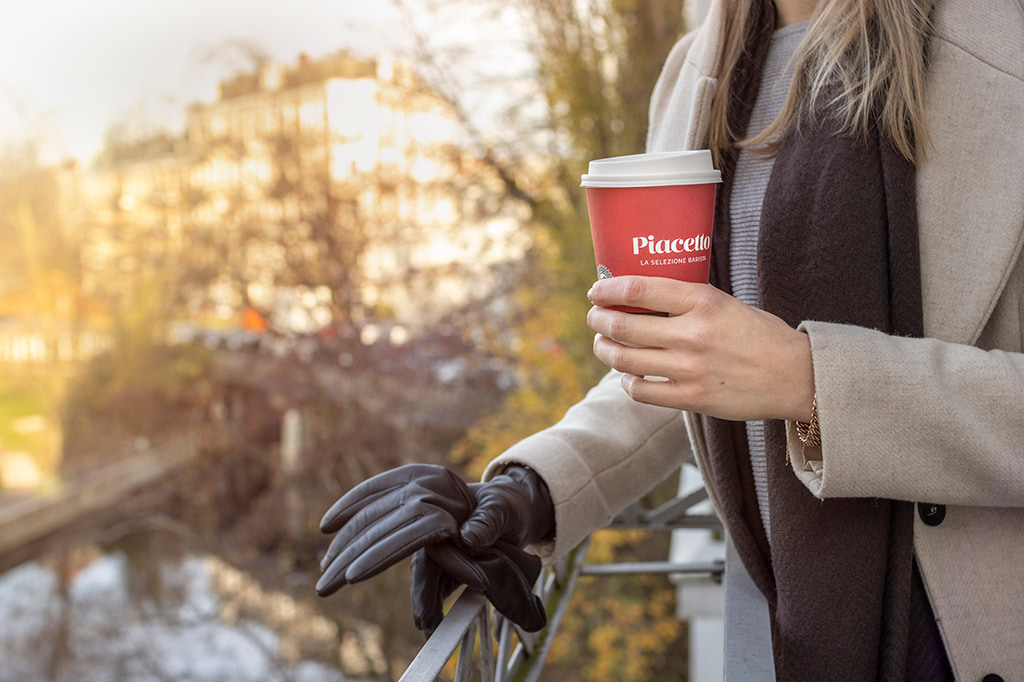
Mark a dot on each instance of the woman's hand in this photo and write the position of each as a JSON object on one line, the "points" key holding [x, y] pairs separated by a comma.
{"points": [[720, 356]]}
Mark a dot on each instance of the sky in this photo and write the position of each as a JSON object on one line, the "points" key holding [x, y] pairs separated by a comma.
{"points": [[71, 68]]}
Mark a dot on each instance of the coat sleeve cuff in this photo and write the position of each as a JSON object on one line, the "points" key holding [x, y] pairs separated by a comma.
{"points": [[806, 461]]}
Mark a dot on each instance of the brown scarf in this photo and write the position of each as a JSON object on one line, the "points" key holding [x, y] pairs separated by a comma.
{"points": [[838, 243]]}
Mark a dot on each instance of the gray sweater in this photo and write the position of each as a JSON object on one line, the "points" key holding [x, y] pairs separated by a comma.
{"points": [[752, 173]]}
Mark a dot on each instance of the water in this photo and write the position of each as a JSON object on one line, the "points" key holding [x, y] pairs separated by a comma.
{"points": [[145, 538], [95, 614]]}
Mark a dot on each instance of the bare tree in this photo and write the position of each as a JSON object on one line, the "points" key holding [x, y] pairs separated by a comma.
{"points": [[577, 91]]}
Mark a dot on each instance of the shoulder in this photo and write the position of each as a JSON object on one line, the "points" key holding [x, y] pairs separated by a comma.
{"points": [[974, 87], [682, 95], [678, 54], [989, 34], [696, 52], [670, 78]]}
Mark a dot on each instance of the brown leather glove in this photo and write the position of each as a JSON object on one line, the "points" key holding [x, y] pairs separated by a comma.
{"points": [[514, 506], [513, 509], [386, 518], [503, 573], [420, 508]]}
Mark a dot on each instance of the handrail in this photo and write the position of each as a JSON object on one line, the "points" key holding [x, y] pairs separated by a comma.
{"points": [[714, 569], [457, 631], [518, 655]]}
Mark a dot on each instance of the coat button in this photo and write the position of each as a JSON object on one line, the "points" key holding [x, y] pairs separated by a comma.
{"points": [[992, 678], [932, 515]]}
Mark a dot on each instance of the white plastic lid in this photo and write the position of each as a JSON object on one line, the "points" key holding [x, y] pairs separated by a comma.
{"points": [[653, 169]]}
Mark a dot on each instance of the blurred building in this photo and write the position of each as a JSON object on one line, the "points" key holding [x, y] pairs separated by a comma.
{"points": [[332, 189]]}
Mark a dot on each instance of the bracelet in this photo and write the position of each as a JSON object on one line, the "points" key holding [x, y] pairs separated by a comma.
{"points": [[809, 433]]}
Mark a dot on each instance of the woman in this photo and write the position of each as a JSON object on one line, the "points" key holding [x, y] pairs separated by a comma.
{"points": [[857, 407]]}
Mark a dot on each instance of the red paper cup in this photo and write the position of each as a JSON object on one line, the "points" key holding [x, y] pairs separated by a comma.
{"points": [[652, 214]]}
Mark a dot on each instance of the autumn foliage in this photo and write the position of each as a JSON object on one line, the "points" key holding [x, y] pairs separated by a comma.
{"points": [[597, 64]]}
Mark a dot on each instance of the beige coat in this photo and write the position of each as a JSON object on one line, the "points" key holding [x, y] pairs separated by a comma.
{"points": [[937, 420]]}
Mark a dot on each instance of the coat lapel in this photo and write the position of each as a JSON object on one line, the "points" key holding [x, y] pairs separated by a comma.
{"points": [[971, 183], [680, 111]]}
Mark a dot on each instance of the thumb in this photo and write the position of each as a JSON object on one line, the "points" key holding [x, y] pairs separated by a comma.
{"points": [[504, 510], [482, 529]]}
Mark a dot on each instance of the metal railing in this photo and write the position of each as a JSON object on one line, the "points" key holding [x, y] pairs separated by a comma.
{"points": [[477, 638], [508, 654]]}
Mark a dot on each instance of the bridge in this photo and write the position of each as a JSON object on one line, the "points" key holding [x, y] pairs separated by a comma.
{"points": [[394, 399]]}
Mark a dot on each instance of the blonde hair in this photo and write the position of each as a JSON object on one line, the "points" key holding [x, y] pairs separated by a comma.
{"points": [[863, 61]]}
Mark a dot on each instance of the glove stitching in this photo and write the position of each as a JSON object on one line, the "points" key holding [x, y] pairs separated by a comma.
{"points": [[387, 561]]}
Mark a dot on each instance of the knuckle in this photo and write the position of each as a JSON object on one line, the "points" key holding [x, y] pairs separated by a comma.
{"points": [[632, 388], [613, 354], [689, 371], [690, 394], [618, 358], [635, 290], [709, 304], [619, 326], [636, 388], [701, 337]]}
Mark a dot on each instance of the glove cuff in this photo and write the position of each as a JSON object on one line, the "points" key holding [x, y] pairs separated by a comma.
{"points": [[542, 509]]}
